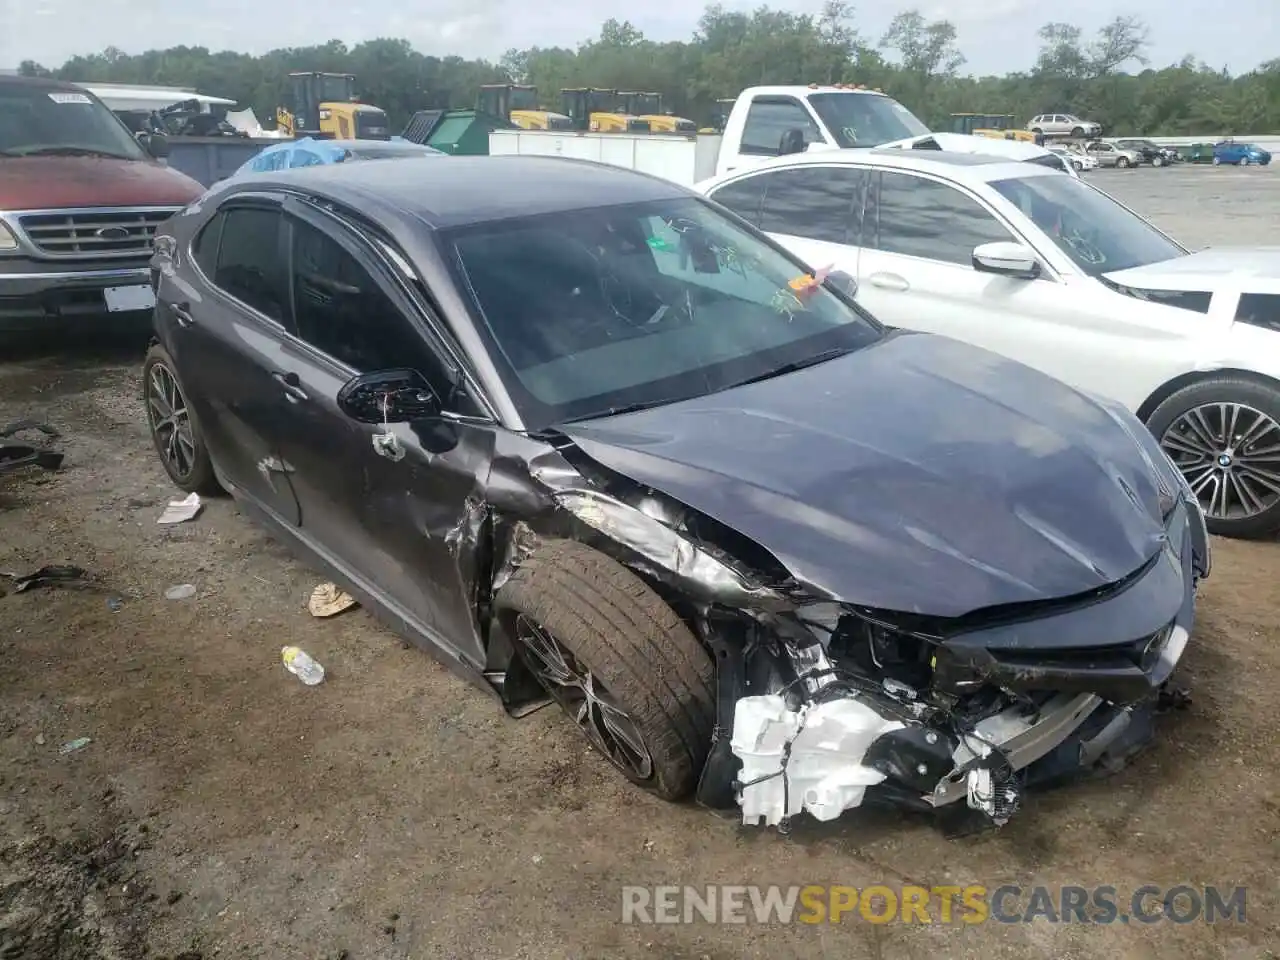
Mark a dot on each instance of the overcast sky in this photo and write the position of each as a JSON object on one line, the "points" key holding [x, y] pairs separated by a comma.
{"points": [[997, 36]]}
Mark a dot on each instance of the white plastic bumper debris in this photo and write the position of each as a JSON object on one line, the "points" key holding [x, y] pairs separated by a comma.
{"points": [[824, 774]]}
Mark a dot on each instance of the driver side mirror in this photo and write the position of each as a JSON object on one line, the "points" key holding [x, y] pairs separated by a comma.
{"points": [[843, 282], [388, 396], [792, 142], [1007, 259], [156, 144]]}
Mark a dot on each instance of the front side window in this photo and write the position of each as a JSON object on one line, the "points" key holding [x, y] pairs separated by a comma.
{"points": [[1098, 234], [593, 310], [40, 121], [816, 203], [768, 119], [342, 311], [249, 266], [929, 219]]}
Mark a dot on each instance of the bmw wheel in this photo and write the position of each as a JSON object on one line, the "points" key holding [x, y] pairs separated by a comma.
{"points": [[627, 671], [1223, 434], [173, 426]]}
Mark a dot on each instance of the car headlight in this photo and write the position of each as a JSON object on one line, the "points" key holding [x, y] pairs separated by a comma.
{"points": [[8, 242]]}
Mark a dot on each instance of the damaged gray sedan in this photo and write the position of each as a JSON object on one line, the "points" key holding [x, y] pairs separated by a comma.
{"points": [[591, 439]]}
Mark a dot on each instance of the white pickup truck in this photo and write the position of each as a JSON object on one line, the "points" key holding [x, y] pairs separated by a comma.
{"points": [[767, 122]]}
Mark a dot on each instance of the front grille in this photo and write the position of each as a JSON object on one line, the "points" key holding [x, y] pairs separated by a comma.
{"points": [[1142, 653], [94, 233]]}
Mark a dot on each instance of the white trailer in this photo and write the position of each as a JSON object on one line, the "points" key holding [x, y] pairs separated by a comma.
{"points": [[682, 159]]}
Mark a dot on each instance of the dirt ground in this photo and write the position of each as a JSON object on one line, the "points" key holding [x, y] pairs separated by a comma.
{"points": [[222, 809]]}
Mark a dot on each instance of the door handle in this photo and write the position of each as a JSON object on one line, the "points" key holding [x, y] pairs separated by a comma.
{"points": [[182, 313], [292, 385], [888, 281]]}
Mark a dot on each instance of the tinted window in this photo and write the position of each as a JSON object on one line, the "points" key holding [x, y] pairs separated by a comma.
{"points": [[1260, 309], [768, 120], [587, 311], [205, 246], [249, 266], [928, 219], [1097, 233], [742, 197], [817, 203], [340, 310]]}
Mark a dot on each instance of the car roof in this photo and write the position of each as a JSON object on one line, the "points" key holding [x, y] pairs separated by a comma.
{"points": [[968, 168], [468, 190], [40, 83]]}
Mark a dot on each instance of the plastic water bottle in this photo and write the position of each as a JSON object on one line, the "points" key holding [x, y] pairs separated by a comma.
{"points": [[302, 666]]}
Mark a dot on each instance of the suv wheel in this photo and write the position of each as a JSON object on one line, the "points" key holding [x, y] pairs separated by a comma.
{"points": [[1077, 132], [1223, 433], [629, 673]]}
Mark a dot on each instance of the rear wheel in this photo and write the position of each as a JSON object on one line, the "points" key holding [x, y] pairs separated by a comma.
{"points": [[627, 671], [1037, 131], [1217, 161], [1157, 161], [1223, 434], [173, 426]]}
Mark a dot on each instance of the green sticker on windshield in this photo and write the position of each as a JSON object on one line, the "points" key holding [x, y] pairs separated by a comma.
{"points": [[659, 244]]}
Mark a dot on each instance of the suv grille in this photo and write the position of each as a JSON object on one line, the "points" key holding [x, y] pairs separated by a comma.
{"points": [[87, 233]]}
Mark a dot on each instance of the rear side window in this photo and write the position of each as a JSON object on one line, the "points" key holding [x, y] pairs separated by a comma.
{"points": [[925, 218], [817, 203], [742, 197], [249, 266], [1260, 310], [204, 249], [769, 119]]}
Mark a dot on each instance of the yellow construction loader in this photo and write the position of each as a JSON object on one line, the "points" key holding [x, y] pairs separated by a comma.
{"points": [[325, 106], [599, 111], [648, 106], [519, 104], [997, 126]]}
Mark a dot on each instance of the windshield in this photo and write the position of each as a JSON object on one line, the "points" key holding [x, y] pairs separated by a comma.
{"points": [[524, 98], [1092, 229], [334, 89], [865, 119], [41, 120], [593, 310]]}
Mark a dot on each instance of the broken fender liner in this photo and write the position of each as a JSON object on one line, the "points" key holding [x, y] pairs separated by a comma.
{"points": [[14, 456]]}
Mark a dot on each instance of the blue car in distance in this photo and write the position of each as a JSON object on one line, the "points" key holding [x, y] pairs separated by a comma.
{"points": [[1239, 154], [309, 152]]}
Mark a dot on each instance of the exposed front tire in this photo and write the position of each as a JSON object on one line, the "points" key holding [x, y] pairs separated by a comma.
{"points": [[619, 661], [1122, 162], [1077, 132], [173, 426], [1223, 433], [1157, 161]]}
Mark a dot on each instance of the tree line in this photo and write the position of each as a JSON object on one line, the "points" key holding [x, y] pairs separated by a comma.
{"points": [[1105, 77]]}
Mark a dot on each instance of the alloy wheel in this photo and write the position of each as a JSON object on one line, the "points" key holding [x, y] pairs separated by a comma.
{"points": [[169, 420], [1230, 455], [585, 699]]}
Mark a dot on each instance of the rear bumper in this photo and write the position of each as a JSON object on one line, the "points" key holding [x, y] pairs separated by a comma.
{"points": [[35, 294]]}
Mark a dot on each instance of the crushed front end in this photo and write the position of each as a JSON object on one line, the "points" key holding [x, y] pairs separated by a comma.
{"points": [[838, 706]]}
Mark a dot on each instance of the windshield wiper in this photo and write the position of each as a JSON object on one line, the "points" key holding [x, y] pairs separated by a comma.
{"points": [[71, 152], [810, 361]]}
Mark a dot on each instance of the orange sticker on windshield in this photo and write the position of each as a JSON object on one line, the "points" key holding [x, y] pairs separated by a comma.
{"points": [[807, 282]]}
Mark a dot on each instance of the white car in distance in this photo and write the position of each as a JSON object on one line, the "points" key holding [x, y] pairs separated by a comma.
{"points": [[1078, 159], [1051, 271]]}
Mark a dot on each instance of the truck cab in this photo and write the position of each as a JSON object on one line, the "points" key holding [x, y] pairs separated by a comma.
{"points": [[80, 200], [767, 122]]}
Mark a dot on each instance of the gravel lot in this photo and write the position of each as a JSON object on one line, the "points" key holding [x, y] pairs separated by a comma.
{"points": [[223, 809]]}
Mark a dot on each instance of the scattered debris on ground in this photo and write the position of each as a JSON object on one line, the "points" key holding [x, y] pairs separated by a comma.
{"points": [[328, 601]]}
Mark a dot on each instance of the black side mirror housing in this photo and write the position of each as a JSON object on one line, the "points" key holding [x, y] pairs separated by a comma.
{"points": [[389, 396], [792, 142], [156, 144]]}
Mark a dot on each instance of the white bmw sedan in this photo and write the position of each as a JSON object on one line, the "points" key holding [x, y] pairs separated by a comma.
{"points": [[1049, 270]]}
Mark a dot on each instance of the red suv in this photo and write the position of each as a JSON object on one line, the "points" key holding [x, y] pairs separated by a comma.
{"points": [[80, 200]]}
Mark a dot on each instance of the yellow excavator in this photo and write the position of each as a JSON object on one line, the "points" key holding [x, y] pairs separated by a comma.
{"points": [[996, 126], [519, 104], [325, 106], [648, 106], [599, 111]]}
